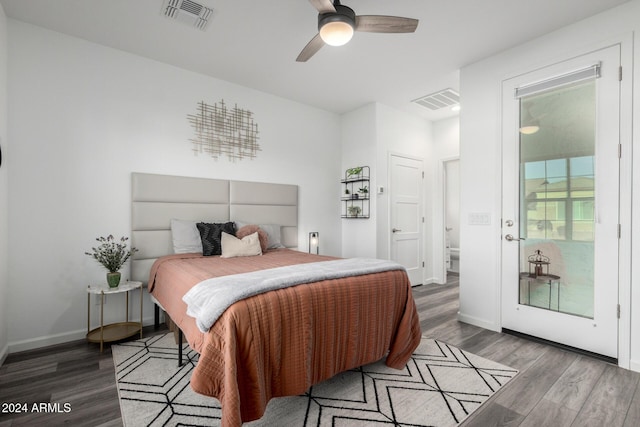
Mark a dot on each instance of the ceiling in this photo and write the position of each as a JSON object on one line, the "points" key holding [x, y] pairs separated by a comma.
{"points": [[254, 43]]}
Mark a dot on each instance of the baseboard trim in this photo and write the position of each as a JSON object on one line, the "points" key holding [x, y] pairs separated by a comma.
{"points": [[634, 365], [4, 353], [46, 341], [475, 321]]}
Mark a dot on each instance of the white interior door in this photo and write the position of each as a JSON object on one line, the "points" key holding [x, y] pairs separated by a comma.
{"points": [[561, 202], [406, 183]]}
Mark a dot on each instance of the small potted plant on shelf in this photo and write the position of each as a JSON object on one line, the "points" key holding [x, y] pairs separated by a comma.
{"points": [[364, 191], [112, 255], [354, 172], [354, 210]]}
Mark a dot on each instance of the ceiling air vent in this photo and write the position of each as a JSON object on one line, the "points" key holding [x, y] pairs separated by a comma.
{"points": [[188, 12], [443, 99]]}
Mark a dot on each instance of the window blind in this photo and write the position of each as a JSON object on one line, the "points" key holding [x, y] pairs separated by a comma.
{"points": [[591, 72]]}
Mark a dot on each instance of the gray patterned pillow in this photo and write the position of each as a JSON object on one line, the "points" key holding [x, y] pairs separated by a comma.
{"points": [[210, 234]]}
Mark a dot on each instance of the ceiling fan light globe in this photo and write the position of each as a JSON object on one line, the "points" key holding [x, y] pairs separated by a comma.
{"points": [[336, 33]]}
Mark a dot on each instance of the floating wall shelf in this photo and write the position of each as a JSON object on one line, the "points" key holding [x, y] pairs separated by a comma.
{"points": [[356, 193]]}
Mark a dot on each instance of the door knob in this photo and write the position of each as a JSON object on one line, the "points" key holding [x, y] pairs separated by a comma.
{"points": [[395, 230], [510, 238]]}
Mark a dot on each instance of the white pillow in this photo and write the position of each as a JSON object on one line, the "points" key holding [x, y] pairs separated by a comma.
{"points": [[272, 230], [233, 247], [186, 237], [274, 233]]}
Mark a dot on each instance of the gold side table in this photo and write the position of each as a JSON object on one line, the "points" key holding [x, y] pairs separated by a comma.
{"points": [[112, 331]]}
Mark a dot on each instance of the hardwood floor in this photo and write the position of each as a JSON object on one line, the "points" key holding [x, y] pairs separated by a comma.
{"points": [[554, 387]]}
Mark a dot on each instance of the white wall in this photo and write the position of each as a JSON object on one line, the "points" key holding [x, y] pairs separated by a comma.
{"points": [[359, 136], [369, 135], [411, 136], [446, 142], [83, 117], [4, 192], [480, 85], [408, 135]]}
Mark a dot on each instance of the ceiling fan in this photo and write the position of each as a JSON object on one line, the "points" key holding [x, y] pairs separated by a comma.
{"points": [[336, 24]]}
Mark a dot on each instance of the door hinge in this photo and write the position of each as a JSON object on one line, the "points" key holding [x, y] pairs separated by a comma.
{"points": [[620, 73], [619, 151], [423, 264], [422, 174], [619, 231], [618, 311], [423, 220]]}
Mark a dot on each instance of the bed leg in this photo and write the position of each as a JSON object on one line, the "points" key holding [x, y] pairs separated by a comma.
{"points": [[179, 347], [156, 316]]}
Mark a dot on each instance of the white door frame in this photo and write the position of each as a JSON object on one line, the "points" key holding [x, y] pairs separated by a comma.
{"points": [[439, 222], [625, 209], [626, 179]]}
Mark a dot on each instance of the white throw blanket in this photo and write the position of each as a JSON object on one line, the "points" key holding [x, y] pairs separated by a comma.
{"points": [[207, 300]]}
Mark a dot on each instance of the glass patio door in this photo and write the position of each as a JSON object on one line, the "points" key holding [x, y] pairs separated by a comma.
{"points": [[560, 203]]}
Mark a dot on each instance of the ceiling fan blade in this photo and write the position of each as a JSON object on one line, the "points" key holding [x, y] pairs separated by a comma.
{"points": [[385, 24], [310, 49], [323, 6]]}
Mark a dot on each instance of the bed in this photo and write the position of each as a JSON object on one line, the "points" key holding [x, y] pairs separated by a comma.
{"points": [[277, 342]]}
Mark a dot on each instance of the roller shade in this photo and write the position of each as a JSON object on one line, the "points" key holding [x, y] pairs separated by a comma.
{"points": [[591, 72]]}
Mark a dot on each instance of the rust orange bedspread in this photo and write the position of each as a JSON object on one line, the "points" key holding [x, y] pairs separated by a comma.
{"points": [[282, 342]]}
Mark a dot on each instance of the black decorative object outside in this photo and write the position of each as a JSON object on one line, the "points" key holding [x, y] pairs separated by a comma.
{"points": [[539, 263], [356, 192]]}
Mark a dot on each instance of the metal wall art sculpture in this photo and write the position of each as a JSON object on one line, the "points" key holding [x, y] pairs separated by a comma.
{"points": [[221, 131]]}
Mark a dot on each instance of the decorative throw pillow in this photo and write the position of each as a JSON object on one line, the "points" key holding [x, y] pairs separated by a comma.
{"points": [[210, 234], [252, 228], [272, 230], [234, 247], [186, 237]]}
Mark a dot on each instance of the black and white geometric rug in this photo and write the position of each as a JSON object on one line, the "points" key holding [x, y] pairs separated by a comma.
{"points": [[440, 386]]}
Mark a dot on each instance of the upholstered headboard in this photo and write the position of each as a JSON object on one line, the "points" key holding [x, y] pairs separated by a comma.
{"points": [[156, 199]]}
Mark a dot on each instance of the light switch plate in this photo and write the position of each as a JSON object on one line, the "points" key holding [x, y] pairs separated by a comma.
{"points": [[480, 218]]}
